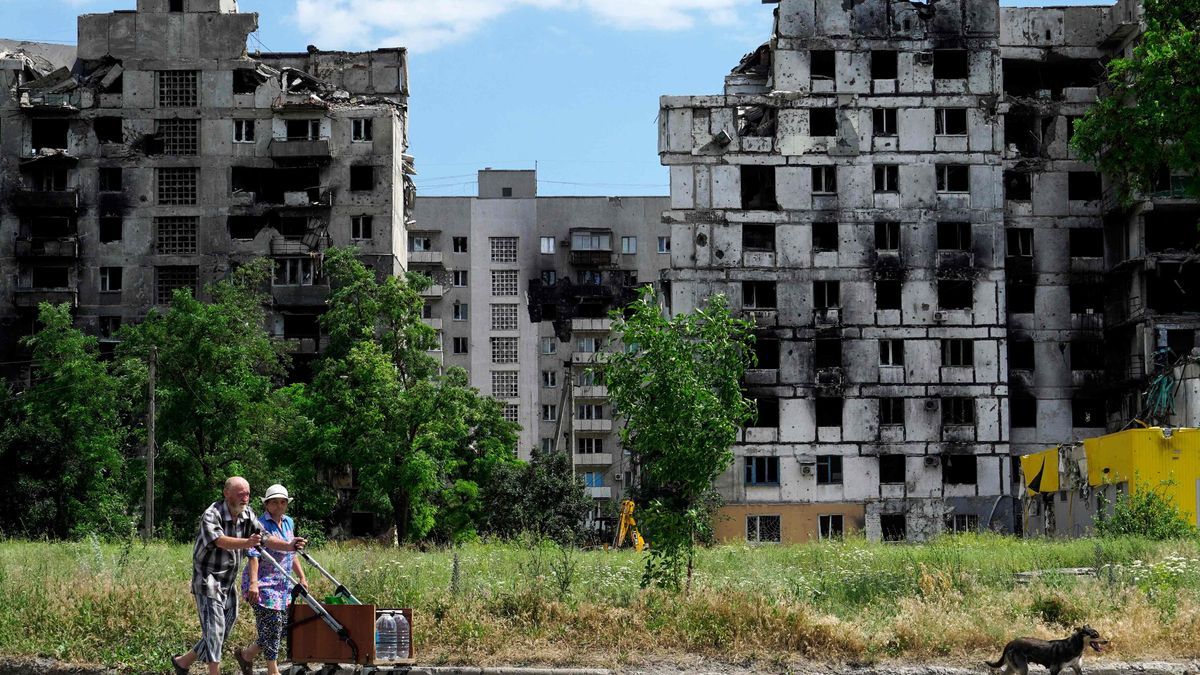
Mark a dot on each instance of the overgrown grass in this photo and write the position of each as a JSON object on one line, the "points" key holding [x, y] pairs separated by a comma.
{"points": [[954, 599]]}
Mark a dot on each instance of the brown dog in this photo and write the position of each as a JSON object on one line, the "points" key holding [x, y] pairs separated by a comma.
{"points": [[1053, 654]]}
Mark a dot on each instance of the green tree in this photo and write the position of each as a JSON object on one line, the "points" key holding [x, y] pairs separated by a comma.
{"points": [[1150, 117], [217, 371], [419, 443], [544, 497], [678, 385], [62, 438]]}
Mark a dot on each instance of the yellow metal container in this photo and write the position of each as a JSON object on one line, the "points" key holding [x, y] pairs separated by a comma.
{"points": [[1149, 459]]}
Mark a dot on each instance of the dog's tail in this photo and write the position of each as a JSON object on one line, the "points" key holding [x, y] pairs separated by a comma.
{"points": [[999, 662]]}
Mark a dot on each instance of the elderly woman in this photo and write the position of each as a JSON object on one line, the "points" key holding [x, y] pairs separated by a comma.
{"points": [[265, 587]]}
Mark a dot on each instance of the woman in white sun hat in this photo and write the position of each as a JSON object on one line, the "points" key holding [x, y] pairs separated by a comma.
{"points": [[265, 587]]}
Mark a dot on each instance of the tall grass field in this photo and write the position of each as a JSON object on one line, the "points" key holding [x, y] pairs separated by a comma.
{"points": [[953, 600]]}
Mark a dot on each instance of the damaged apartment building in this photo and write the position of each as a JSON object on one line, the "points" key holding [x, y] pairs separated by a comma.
{"points": [[161, 154], [523, 287], [939, 282]]}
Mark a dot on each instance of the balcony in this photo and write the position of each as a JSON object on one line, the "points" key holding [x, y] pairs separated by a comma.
{"points": [[1087, 320], [301, 296], [586, 357], [593, 459], [763, 318], [299, 149], [593, 425], [828, 317], [592, 391], [56, 200], [318, 197], [761, 376], [955, 264], [30, 298], [435, 324], [425, 257], [435, 291], [591, 325], [591, 258], [600, 492], [309, 345], [291, 247], [33, 247]]}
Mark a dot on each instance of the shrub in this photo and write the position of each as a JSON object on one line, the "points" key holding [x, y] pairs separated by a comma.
{"points": [[1145, 513]]}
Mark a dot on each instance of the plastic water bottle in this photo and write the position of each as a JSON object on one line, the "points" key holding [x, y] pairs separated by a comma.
{"points": [[404, 645], [386, 639]]}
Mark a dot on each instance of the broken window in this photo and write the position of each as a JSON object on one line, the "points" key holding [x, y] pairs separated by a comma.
{"points": [[51, 179], [758, 294], [893, 527], [960, 470], [824, 179], [110, 179], [419, 243], [175, 235], [1023, 412], [1022, 131], [1021, 297], [887, 295], [179, 137], [950, 121], [1086, 299], [766, 353], [757, 121], [303, 130], [954, 236], [108, 130], [758, 237], [823, 64], [825, 236], [110, 229], [1020, 242], [955, 294], [762, 470], [459, 244], [758, 188], [1087, 355], [1046, 79], [294, 272], [177, 186], [1083, 186], [887, 236], [1087, 242], [243, 131], [167, 280], [951, 64], [953, 178], [957, 352], [110, 279], [361, 130], [822, 122], [1181, 342], [958, 411], [892, 467], [175, 6], [1173, 288], [246, 80], [829, 467], [49, 134], [50, 277], [361, 228], [109, 326], [766, 412], [291, 228], [178, 89], [1018, 186], [827, 353], [831, 526], [362, 178], [51, 226], [828, 413], [1020, 355], [887, 178], [763, 529], [883, 64], [827, 294], [884, 122], [1087, 412], [891, 413], [891, 352], [244, 227], [1171, 231]]}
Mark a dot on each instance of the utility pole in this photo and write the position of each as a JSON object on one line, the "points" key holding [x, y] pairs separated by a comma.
{"points": [[150, 446]]}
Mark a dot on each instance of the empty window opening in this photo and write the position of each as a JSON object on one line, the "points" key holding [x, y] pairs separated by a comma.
{"points": [[887, 295], [1173, 288], [827, 294], [831, 526], [758, 237], [1021, 130], [766, 412], [960, 470], [891, 413], [1180, 341], [246, 80], [954, 236], [958, 411], [1018, 186], [892, 468], [1171, 231], [758, 188], [303, 130], [1087, 242], [301, 326], [362, 130], [1021, 298], [1020, 355], [46, 227], [883, 64], [1046, 79], [825, 236], [1023, 412], [762, 470], [766, 353], [295, 272], [893, 526], [1086, 299], [178, 89], [109, 326], [1087, 355], [951, 64], [950, 122], [292, 229], [110, 229], [1087, 412], [829, 467], [167, 280], [884, 122], [827, 353], [49, 134], [829, 414], [887, 236], [108, 130], [362, 178], [953, 178], [823, 122], [458, 244], [957, 352], [110, 179], [50, 277], [1083, 186], [757, 121], [244, 227], [1020, 242], [823, 64], [887, 178], [955, 294], [179, 137], [175, 6], [48, 179], [891, 352], [824, 179], [758, 294]]}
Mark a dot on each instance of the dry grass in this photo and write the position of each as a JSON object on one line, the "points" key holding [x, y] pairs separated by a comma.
{"points": [[953, 600]]}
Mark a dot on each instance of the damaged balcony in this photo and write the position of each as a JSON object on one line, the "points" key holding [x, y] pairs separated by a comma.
{"points": [[300, 149], [46, 200], [30, 298], [955, 264], [46, 247], [591, 248]]}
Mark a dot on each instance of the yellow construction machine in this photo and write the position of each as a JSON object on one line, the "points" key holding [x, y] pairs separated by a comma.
{"points": [[627, 528]]}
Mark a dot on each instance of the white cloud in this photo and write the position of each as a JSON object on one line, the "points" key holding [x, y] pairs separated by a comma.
{"points": [[426, 25]]}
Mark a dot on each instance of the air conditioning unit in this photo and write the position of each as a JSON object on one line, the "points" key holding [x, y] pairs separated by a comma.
{"points": [[925, 58], [806, 469], [722, 138], [939, 316], [932, 461], [931, 404]]}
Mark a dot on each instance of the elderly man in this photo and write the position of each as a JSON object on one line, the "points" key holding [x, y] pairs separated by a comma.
{"points": [[227, 529]]}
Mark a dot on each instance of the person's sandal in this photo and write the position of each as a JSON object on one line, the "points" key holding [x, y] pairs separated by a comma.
{"points": [[179, 670], [246, 666]]}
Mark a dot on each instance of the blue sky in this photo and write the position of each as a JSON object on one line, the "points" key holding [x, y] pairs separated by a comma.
{"points": [[570, 86]]}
